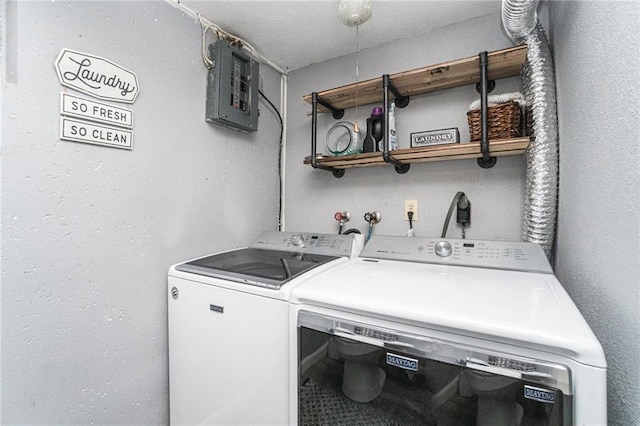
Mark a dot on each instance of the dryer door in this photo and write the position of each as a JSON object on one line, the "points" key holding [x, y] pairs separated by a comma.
{"points": [[356, 373]]}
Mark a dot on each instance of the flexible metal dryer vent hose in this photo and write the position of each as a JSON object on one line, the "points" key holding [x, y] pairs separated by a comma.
{"points": [[521, 23]]}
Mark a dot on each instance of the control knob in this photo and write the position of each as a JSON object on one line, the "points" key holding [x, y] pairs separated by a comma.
{"points": [[443, 248], [297, 240]]}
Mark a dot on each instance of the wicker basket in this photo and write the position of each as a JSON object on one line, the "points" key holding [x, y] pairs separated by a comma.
{"points": [[504, 121]]}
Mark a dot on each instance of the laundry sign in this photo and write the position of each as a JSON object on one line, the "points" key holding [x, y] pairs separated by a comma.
{"points": [[96, 76]]}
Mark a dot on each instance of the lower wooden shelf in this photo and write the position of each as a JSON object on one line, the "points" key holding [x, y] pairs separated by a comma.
{"points": [[458, 151]]}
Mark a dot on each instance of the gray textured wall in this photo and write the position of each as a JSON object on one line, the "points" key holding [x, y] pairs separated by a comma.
{"points": [[313, 196], [596, 47], [88, 232]]}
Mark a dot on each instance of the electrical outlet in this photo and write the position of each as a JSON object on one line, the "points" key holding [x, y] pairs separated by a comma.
{"points": [[411, 206]]}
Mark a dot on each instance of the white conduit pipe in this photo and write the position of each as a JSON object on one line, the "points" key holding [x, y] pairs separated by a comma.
{"points": [[521, 24]]}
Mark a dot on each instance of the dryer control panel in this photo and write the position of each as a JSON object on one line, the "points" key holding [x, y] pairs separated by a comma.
{"points": [[517, 256]]}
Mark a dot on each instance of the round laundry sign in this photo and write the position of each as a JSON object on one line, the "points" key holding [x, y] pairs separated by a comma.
{"points": [[96, 76]]}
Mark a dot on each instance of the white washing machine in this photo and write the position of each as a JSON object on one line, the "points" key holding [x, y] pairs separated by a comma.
{"points": [[228, 326], [446, 332]]}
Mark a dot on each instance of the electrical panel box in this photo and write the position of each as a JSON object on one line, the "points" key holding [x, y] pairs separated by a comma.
{"points": [[232, 88]]}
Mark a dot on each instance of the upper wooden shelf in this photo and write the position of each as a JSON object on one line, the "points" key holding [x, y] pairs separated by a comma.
{"points": [[502, 64]]}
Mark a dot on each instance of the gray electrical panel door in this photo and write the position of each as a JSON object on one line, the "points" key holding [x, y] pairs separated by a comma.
{"points": [[232, 88]]}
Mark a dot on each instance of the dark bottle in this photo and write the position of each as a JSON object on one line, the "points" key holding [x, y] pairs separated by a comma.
{"points": [[375, 130]]}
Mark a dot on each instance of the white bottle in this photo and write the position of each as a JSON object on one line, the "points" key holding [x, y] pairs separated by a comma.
{"points": [[393, 138]]}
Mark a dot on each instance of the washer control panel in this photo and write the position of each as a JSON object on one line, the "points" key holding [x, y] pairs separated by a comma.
{"points": [[326, 244], [519, 256]]}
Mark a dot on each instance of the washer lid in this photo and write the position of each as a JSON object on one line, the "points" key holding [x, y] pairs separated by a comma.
{"points": [[275, 258], [265, 268]]}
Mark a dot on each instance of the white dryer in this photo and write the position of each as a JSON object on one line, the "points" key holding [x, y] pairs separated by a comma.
{"points": [[431, 331], [228, 326]]}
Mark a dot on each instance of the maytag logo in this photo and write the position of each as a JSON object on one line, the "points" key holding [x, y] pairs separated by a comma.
{"points": [[538, 394], [402, 362]]}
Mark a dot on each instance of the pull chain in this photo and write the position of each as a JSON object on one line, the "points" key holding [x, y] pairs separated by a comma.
{"points": [[355, 127]]}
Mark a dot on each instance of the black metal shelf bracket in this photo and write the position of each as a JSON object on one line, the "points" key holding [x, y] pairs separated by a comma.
{"points": [[401, 101], [400, 167], [491, 86], [338, 173], [336, 113], [486, 161]]}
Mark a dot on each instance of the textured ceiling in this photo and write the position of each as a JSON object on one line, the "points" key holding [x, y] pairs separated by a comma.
{"points": [[293, 34]]}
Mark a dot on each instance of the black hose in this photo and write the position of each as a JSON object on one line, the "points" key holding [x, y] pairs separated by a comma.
{"points": [[351, 231], [453, 204]]}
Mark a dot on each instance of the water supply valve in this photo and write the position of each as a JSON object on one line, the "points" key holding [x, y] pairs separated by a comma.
{"points": [[372, 217], [342, 217]]}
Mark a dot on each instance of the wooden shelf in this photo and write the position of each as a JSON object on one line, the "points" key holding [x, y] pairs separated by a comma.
{"points": [[502, 64], [462, 72], [458, 151]]}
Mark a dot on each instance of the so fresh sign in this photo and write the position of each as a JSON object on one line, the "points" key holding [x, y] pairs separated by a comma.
{"points": [[87, 109], [96, 76]]}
